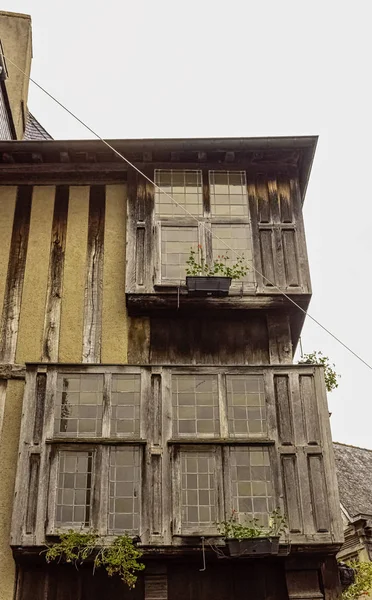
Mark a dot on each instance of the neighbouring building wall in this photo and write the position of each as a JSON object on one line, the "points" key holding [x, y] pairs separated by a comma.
{"points": [[62, 298], [16, 39]]}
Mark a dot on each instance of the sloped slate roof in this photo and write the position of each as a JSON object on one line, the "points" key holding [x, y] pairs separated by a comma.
{"points": [[34, 131], [354, 474]]}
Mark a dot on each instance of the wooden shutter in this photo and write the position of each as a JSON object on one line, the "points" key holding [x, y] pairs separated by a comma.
{"points": [[278, 235]]}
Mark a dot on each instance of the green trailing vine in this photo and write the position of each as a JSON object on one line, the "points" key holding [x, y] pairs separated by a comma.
{"points": [[197, 265], [233, 529], [121, 557], [362, 585], [330, 375]]}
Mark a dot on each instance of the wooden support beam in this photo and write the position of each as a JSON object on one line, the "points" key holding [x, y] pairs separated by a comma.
{"points": [[12, 371]]}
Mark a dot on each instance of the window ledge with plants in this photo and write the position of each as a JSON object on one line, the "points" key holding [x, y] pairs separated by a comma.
{"points": [[213, 279], [120, 557], [252, 538]]}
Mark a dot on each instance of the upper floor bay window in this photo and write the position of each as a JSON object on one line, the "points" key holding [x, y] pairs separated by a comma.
{"points": [[210, 215]]}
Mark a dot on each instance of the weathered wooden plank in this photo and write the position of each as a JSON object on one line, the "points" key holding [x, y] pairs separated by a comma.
{"points": [[291, 493], [23, 465], [264, 209], [32, 492], [283, 407], [166, 480], [149, 219], [328, 456], [303, 584], [330, 576], [130, 279], [156, 583], [272, 188], [170, 301], [12, 371], [156, 477], [210, 341], [303, 262], [280, 338], [8, 196], [267, 257], [310, 409], [285, 200], [39, 407], [140, 255], [15, 276], [3, 385], [290, 258], [206, 192], [318, 492], [138, 340], [55, 276], [92, 330]]}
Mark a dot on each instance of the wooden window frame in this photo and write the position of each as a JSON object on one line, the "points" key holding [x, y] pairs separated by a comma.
{"points": [[204, 224], [223, 406]]}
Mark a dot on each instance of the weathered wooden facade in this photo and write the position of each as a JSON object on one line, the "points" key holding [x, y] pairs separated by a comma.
{"points": [[145, 409]]}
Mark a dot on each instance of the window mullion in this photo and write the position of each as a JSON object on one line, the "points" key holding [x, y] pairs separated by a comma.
{"points": [[219, 486], [222, 405], [106, 409], [206, 194], [227, 478], [102, 525]]}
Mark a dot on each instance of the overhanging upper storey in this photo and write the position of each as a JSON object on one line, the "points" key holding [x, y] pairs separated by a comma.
{"points": [[212, 199], [240, 197]]}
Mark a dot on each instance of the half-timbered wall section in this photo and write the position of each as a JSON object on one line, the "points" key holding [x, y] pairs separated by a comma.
{"points": [[166, 452]]}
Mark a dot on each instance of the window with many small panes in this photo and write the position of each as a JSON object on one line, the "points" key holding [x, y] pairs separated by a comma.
{"points": [[195, 405], [198, 490], [251, 481], [207, 212]]}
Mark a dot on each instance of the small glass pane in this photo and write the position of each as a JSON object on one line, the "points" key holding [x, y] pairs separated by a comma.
{"points": [[124, 480], [246, 405], [176, 243], [195, 405], [185, 193], [75, 472], [198, 495], [252, 495], [228, 192], [78, 411], [125, 405]]}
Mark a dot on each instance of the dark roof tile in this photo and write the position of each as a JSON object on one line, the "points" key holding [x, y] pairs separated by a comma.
{"points": [[354, 474]]}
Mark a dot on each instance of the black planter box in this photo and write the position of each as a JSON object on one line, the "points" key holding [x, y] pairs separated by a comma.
{"points": [[208, 286], [253, 546]]}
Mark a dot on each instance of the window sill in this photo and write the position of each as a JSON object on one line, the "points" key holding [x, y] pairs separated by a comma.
{"points": [[222, 441], [95, 440]]}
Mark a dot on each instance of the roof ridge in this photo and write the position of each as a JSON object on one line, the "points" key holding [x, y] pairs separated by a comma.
{"points": [[352, 446]]}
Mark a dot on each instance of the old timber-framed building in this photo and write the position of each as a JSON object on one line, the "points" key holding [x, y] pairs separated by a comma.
{"points": [[106, 361]]}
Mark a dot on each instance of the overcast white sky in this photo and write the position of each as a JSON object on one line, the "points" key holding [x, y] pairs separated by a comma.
{"points": [[162, 68]]}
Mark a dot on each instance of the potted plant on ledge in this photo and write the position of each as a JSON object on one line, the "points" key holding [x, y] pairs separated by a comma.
{"points": [[251, 538], [215, 279]]}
